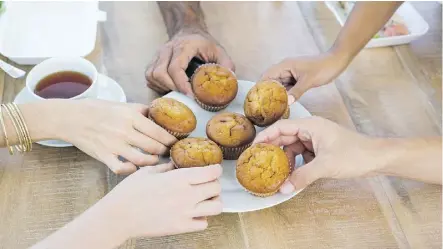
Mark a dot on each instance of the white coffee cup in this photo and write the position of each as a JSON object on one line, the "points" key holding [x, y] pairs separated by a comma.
{"points": [[59, 64]]}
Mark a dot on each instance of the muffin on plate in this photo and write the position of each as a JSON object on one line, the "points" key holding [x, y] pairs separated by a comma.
{"points": [[173, 116], [214, 87], [195, 152], [262, 169], [233, 132], [266, 103]]}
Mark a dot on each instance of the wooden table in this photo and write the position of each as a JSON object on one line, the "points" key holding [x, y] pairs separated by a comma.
{"points": [[384, 92]]}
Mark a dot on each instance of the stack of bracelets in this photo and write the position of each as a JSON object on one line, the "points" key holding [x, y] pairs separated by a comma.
{"points": [[17, 120]]}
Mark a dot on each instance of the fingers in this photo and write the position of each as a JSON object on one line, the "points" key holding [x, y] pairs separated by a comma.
{"points": [[208, 208], [283, 140], [161, 168], [137, 157], [208, 190], [201, 175], [307, 174], [156, 75], [298, 90], [303, 128], [151, 129], [280, 128], [146, 143], [119, 167], [224, 60], [181, 57], [198, 224], [160, 72]]}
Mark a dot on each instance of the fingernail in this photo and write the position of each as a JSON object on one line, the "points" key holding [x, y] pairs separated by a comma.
{"points": [[291, 99], [190, 95], [287, 188]]}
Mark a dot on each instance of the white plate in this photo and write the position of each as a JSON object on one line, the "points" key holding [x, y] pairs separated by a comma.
{"points": [[109, 89], [415, 23], [235, 198]]}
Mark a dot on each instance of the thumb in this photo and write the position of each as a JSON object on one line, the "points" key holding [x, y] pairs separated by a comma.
{"points": [[224, 60], [298, 90], [161, 168], [307, 174]]}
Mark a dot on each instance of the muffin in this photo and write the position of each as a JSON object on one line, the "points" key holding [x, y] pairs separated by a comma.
{"points": [[233, 132], [173, 116], [214, 87], [195, 152], [262, 169], [266, 103]]}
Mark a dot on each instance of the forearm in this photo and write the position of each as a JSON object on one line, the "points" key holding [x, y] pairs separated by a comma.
{"points": [[92, 229], [418, 159], [182, 16], [365, 20]]}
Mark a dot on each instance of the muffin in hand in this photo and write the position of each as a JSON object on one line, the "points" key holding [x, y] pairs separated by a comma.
{"points": [[262, 169], [266, 103], [214, 87], [173, 116], [195, 152], [233, 132]]}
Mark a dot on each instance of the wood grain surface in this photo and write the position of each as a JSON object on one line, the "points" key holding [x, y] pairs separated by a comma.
{"points": [[394, 91]]}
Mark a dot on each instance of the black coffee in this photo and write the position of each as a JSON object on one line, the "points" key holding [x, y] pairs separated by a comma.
{"points": [[62, 85]]}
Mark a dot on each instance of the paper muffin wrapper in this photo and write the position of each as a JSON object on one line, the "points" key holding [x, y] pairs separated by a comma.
{"points": [[205, 106], [233, 153], [262, 194], [178, 135], [210, 108], [286, 113]]}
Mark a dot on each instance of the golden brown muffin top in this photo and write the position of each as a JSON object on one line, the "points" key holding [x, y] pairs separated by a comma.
{"points": [[262, 168], [214, 85], [173, 115], [266, 102], [230, 129], [196, 152]]}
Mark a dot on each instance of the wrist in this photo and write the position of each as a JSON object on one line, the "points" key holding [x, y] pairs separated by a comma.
{"points": [[392, 154], [340, 55], [192, 30], [40, 119]]}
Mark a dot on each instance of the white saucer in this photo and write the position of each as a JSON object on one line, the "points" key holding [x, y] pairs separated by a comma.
{"points": [[235, 198], [109, 90]]}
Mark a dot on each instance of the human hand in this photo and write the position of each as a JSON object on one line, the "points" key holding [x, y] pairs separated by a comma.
{"points": [[300, 74], [329, 150], [107, 130], [167, 73], [153, 202]]}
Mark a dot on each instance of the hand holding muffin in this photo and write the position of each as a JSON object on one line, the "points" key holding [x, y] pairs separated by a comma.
{"points": [[331, 151], [188, 38]]}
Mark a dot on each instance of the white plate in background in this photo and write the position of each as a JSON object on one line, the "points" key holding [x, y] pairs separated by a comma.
{"points": [[415, 23], [235, 198], [31, 31]]}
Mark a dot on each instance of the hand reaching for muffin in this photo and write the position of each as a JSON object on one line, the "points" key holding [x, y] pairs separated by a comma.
{"points": [[329, 150], [167, 71]]}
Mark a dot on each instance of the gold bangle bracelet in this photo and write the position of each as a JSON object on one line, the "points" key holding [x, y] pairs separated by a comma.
{"points": [[22, 125], [11, 151], [21, 147], [22, 118]]}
